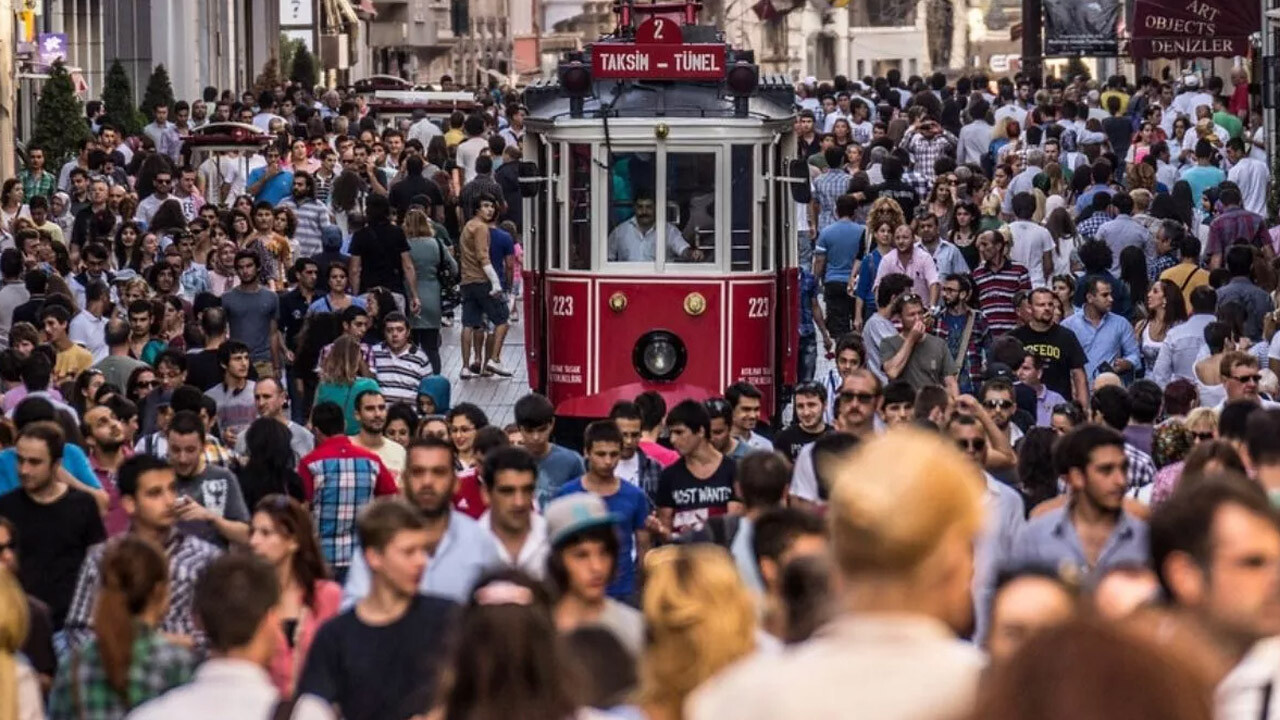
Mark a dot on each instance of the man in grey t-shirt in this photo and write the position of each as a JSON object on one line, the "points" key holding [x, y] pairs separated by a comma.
{"points": [[251, 314], [916, 356], [880, 325], [210, 504]]}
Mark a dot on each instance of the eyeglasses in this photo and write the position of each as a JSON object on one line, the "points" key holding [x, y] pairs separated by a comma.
{"points": [[997, 404], [974, 444], [146, 383], [1202, 436], [1254, 378], [863, 398]]}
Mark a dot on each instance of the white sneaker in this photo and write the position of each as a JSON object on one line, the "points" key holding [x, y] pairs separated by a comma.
{"points": [[465, 374], [496, 368]]}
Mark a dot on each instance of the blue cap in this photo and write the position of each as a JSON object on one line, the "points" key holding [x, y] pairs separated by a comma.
{"points": [[574, 513]]}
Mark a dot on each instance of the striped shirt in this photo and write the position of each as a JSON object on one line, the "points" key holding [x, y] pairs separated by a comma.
{"points": [[996, 289], [312, 215], [400, 375]]}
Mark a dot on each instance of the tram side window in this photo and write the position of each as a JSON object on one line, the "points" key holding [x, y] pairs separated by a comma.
{"points": [[580, 207], [553, 240], [742, 196], [691, 208], [632, 207]]}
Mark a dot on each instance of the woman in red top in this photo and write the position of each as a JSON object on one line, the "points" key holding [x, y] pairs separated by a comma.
{"points": [[282, 533]]}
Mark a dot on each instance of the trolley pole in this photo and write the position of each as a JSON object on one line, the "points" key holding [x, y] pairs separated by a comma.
{"points": [[1033, 42]]}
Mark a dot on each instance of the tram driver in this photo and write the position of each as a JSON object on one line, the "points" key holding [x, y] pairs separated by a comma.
{"points": [[633, 239]]}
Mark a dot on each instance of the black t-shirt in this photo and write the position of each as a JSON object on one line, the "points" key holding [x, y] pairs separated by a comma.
{"points": [[790, 441], [695, 501], [386, 672], [52, 541], [379, 248], [203, 370], [900, 191], [409, 188], [1060, 350]]}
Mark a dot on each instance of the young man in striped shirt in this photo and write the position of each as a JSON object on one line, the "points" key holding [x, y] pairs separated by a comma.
{"points": [[398, 364], [996, 280]]}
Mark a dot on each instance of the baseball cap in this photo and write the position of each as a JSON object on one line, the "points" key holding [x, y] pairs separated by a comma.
{"points": [[1191, 81], [574, 513]]}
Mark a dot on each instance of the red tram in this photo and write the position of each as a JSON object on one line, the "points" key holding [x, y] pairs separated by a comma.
{"points": [[660, 186]]}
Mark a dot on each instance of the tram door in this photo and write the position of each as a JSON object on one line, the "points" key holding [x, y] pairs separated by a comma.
{"points": [[541, 223], [789, 189]]}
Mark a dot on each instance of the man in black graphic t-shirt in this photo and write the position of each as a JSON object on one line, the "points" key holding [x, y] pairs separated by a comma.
{"points": [[1057, 347], [699, 485], [810, 406]]}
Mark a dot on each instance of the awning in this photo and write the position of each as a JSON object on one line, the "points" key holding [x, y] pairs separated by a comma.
{"points": [[1193, 28]]}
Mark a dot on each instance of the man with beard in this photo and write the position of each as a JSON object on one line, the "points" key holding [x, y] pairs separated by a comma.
{"points": [[964, 329], [809, 405], [210, 505], [107, 451], [519, 533], [371, 413], [311, 213], [269, 399], [1092, 533], [857, 407], [458, 549], [1062, 357]]}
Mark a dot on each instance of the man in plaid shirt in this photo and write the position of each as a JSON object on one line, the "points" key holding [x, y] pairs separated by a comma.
{"points": [[338, 479], [148, 489], [35, 179], [927, 142], [956, 290]]}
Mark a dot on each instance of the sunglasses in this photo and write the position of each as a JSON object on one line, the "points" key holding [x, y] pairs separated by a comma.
{"points": [[146, 383], [8, 546], [997, 404], [1202, 436], [864, 398], [1255, 378], [975, 444]]}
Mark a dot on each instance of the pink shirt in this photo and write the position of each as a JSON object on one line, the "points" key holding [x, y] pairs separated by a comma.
{"points": [[664, 455], [921, 269], [287, 663]]}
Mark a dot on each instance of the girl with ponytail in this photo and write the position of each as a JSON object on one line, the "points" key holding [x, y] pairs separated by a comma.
{"points": [[128, 661]]}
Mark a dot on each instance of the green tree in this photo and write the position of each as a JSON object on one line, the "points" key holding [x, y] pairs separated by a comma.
{"points": [[117, 98], [269, 78], [288, 51], [303, 69], [159, 90], [60, 121]]}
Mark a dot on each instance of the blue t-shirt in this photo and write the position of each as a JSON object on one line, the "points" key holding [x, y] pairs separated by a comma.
{"points": [[841, 244], [501, 246], [559, 467], [1201, 178], [279, 187], [632, 508], [73, 459]]}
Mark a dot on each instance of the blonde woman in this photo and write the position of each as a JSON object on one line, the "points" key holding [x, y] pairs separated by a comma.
{"points": [[19, 687], [344, 374], [700, 619]]}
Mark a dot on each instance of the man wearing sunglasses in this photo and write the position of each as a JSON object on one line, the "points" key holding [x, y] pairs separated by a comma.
{"points": [[857, 406], [1240, 378]]}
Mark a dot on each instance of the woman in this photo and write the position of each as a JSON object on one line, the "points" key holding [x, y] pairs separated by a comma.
{"points": [[12, 204], [1220, 338], [147, 254], [853, 158], [998, 150], [135, 289], [141, 382], [380, 303], [906, 255], [239, 228], [464, 421], [222, 271], [963, 232], [1065, 417], [173, 324], [1142, 176], [1166, 307], [283, 534], [508, 660], [842, 133], [431, 259], [1133, 273], [885, 216], [244, 205], [317, 331], [402, 423], [271, 462], [20, 695], [285, 223], [1066, 242], [168, 218], [1064, 288], [127, 246], [942, 202], [1140, 144], [699, 619], [1200, 426], [60, 213], [343, 376], [298, 159], [128, 661], [1037, 476], [85, 388], [336, 299]]}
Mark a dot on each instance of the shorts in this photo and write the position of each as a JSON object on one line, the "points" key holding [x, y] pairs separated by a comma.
{"points": [[478, 305]]}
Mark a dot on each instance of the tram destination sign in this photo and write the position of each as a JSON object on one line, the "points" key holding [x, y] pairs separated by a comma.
{"points": [[657, 61]]}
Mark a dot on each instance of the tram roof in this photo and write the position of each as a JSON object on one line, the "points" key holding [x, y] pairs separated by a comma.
{"points": [[773, 100]]}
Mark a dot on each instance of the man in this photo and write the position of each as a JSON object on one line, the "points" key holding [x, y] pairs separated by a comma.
{"points": [[975, 136], [964, 330], [744, 400], [535, 416], [193, 277], [1122, 231], [926, 142], [311, 213], [210, 504], [584, 555], [40, 220], [602, 447], [1235, 226], [1004, 518], [653, 413], [234, 395], [38, 647], [457, 549], [1203, 174], [294, 305], [147, 208], [1240, 378], [79, 162], [519, 532], [997, 398], [72, 359], [270, 399], [879, 326], [1188, 274], [371, 413], [251, 314], [381, 657], [399, 365], [1058, 348], [911, 260], [635, 465], [1032, 244], [1251, 176], [96, 269], [236, 600], [916, 356], [885, 558], [1241, 290], [1106, 338], [56, 524], [469, 150], [148, 493], [1168, 244], [13, 293], [108, 449], [720, 431], [699, 486], [779, 537], [997, 280], [99, 194], [1113, 408], [87, 327], [1093, 532], [1025, 602], [1146, 399], [946, 256], [1183, 342], [1031, 374], [163, 133], [482, 296], [188, 194], [857, 406], [634, 239], [836, 257], [271, 183], [1215, 548], [204, 368], [35, 372], [1264, 454], [338, 479], [809, 408], [36, 181], [480, 186]]}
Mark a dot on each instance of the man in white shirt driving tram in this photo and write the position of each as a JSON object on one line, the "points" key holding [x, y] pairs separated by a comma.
{"points": [[633, 239]]}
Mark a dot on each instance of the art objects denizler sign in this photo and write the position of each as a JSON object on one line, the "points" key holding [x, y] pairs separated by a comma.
{"points": [[1193, 28]]}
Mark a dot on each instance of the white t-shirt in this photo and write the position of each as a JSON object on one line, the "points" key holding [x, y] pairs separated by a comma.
{"points": [[1030, 243], [468, 152], [629, 470], [1010, 112], [215, 171], [1253, 178], [1186, 103]]}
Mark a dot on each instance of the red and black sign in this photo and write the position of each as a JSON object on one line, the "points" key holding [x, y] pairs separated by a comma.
{"points": [[1193, 28], [658, 53]]}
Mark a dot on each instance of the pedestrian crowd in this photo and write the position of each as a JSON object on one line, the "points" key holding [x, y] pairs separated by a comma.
{"points": [[1042, 472]]}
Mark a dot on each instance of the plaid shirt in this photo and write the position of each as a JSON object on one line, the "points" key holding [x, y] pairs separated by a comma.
{"points": [[926, 151], [1236, 225], [920, 182], [979, 345], [81, 691], [43, 184], [1142, 469], [1088, 227], [827, 188], [1160, 264], [188, 558], [338, 479]]}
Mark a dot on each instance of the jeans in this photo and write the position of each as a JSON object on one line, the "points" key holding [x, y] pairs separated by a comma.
{"points": [[804, 240], [839, 308], [807, 361]]}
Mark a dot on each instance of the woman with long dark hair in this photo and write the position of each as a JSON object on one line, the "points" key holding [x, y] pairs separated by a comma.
{"points": [[127, 247], [1166, 307], [318, 330], [1037, 478], [283, 534], [1133, 273], [168, 218], [271, 462], [128, 661]]}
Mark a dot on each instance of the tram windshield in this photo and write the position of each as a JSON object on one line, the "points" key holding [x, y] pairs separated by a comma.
{"points": [[668, 196]]}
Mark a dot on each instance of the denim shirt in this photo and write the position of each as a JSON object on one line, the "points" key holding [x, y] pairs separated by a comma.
{"points": [[1051, 540], [1111, 339]]}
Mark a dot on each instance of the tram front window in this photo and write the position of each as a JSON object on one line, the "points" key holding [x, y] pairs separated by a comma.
{"points": [[634, 239], [686, 192], [691, 192]]}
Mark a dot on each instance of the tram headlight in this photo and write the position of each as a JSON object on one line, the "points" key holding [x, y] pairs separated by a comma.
{"points": [[659, 355]]}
